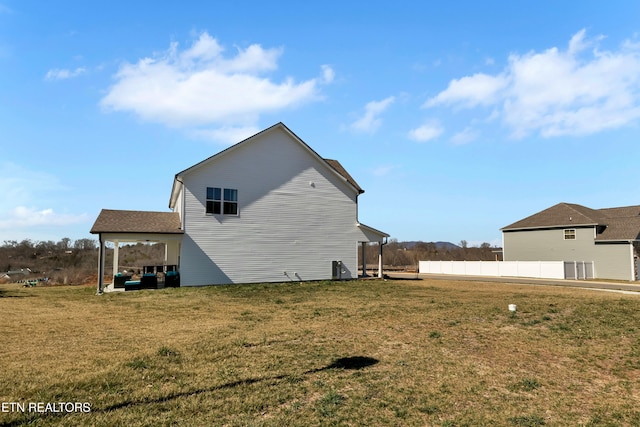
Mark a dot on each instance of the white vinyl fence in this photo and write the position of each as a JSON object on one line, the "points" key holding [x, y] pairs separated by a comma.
{"points": [[538, 269]]}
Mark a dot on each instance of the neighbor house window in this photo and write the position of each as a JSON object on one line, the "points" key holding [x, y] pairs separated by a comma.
{"points": [[222, 201], [570, 234]]}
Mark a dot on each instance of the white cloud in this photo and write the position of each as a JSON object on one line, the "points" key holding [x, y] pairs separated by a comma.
{"points": [[328, 74], [225, 134], [61, 74], [426, 132], [384, 170], [468, 92], [21, 217], [579, 42], [371, 121], [464, 137], [22, 187], [556, 92], [200, 86]]}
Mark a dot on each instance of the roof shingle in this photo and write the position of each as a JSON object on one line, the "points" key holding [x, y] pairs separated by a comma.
{"points": [[342, 171], [122, 221], [613, 223]]}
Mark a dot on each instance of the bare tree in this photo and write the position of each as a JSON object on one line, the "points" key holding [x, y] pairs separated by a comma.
{"points": [[64, 243], [85, 244]]}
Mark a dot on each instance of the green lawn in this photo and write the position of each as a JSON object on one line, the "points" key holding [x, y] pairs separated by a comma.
{"points": [[355, 353]]}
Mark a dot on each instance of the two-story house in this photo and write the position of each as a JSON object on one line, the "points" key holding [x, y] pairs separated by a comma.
{"points": [[569, 232], [267, 209]]}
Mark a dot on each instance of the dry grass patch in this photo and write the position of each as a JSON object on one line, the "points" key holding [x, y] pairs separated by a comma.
{"points": [[440, 353]]}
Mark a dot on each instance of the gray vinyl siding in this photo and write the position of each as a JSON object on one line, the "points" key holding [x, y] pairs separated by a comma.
{"points": [[612, 260], [295, 216]]}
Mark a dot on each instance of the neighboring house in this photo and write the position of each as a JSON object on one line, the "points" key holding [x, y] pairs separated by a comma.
{"points": [[268, 209], [570, 232]]}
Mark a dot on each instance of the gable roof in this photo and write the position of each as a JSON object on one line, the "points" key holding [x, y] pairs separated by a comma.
{"points": [[560, 215], [613, 224], [121, 221], [332, 165], [343, 172]]}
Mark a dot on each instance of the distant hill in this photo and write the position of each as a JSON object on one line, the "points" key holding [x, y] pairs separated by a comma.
{"points": [[408, 253], [439, 245]]}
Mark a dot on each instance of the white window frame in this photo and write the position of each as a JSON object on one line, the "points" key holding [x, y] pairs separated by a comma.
{"points": [[570, 234]]}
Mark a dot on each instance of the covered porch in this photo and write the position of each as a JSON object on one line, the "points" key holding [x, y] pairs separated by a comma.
{"points": [[371, 235], [118, 226]]}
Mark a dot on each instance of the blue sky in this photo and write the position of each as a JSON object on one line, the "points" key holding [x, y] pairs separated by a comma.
{"points": [[457, 118]]}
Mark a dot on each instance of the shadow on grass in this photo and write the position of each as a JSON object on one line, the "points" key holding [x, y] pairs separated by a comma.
{"points": [[352, 363], [348, 363], [16, 296], [12, 294], [343, 363], [414, 277]]}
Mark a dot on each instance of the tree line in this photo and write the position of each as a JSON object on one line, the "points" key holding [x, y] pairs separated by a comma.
{"points": [[407, 254], [75, 262], [68, 261]]}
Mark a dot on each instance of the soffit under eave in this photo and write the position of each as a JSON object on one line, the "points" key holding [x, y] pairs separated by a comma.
{"points": [[371, 233], [140, 237]]}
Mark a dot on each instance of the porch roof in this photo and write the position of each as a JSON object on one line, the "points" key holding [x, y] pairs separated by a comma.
{"points": [[371, 234], [139, 222]]}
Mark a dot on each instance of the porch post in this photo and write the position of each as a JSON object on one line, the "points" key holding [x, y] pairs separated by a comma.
{"points": [[166, 253], [116, 247], [364, 259], [380, 275], [100, 265]]}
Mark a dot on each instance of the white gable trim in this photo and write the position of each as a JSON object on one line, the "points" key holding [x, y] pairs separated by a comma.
{"points": [[177, 182]]}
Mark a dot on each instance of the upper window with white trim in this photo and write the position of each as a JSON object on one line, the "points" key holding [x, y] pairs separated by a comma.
{"points": [[222, 201], [570, 234]]}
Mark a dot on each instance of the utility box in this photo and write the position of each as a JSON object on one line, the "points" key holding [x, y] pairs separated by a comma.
{"points": [[336, 270]]}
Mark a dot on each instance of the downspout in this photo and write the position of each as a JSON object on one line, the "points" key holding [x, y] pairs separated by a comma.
{"points": [[633, 269], [181, 209], [635, 253]]}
